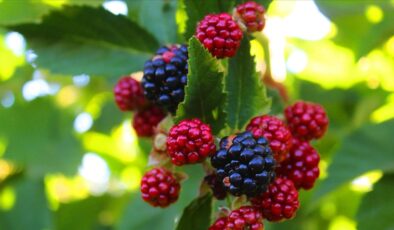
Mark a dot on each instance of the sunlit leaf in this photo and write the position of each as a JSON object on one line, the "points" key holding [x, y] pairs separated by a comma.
{"points": [[366, 149], [204, 96], [246, 96], [196, 216], [40, 138], [30, 210], [376, 208], [81, 39]]}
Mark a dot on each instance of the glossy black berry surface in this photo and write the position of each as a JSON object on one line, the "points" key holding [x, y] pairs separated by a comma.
{"points": [[165, 77], [244, 164]]}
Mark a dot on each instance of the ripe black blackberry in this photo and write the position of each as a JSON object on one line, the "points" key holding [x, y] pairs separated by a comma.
{"points": [[218, 189], [244, 164], [165, 76]]}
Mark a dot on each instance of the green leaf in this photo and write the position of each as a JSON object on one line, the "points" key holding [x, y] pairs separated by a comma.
{"points": [[376, 209], [30, 210], [39, 137], [196, 216], [158, 17], [90, 208], [11, 12], [346, 14], [246, 96], [204, 96], [80, 39], [368, 148], [197, 9]]}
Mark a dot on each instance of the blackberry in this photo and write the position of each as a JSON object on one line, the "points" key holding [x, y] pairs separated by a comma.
{"points": [[276, 133], [301, 165], [165, 77], [279, 202], [146, 120], [220, 34], [250, 16], [159, 187], [306, 120], [190, 142], [244, 164], [129, 94], [218, 189]]}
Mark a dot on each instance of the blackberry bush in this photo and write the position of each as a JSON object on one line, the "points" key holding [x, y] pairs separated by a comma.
{"points": [[251, 160]]}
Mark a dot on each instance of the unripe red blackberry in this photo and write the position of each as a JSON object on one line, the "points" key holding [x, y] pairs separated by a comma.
{"points": [[129, 94], [246, 217], [306, 120], [244, 164], [218, 189], [190, 142], [250, 15], [159, 187], [279, 202], [146, 120], [220, 224], [220, 34], [165, 77], [301, 166], [275, 131]]}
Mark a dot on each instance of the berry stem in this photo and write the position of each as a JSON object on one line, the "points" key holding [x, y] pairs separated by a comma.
{"points": [[267, 75]]}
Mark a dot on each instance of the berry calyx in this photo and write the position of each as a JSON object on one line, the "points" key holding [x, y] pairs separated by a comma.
{"points": [[159, 187], [165, 77], [306, 120], [220, 34], [275, 131], [279, 202], [250, 15], [301, 166], [146, 120], [129, 94], [218, 189], [246, 217], [244, 164], [190, 142], [220, 224]]}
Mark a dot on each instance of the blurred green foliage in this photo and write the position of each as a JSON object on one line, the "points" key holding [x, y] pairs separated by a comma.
{"points": [[46, 181]]}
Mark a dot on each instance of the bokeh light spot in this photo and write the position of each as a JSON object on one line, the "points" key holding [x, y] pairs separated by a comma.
{"points": [[374, 14], [83, 122]]}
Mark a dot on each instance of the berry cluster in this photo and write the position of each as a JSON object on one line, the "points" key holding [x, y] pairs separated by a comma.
{"points": [[246, 166], [165, 77], [264, 165]]}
